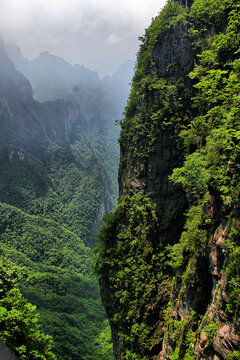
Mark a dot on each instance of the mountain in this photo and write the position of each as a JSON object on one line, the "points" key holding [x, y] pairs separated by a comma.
{"points": [[168, 256], [54, 78], [51, 76], [117, 87], [54, 132], [56, 183]]}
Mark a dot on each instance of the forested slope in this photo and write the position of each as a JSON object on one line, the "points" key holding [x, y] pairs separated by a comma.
{"points": [[168, 256], [57, 180]]}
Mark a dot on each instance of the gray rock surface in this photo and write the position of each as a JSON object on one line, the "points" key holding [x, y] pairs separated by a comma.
{"points": [[5, 353], [174, 54]]}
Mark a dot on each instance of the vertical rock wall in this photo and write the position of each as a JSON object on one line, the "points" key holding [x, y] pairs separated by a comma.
{"points": [[162, 277]]}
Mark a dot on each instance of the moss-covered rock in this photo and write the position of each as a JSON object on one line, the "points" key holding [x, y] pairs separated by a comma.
{"points": [[193, 235]]}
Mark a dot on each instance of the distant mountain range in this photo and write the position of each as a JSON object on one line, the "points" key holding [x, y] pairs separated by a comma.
{"points": [[54, 78], [58, 177]]}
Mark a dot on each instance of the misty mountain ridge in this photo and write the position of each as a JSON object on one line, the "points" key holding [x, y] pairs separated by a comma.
{"points": [[53, 70], [54, 78], [61, 125], [58, 178]]}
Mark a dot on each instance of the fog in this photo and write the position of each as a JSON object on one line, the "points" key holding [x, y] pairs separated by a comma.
{"points": [[100, 34]]}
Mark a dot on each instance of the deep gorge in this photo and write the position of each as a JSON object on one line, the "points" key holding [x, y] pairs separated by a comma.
{"points": [[167, 255]]}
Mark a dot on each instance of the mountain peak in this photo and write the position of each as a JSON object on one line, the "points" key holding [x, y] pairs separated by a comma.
{"points": [[6, 64], [45, 53]]}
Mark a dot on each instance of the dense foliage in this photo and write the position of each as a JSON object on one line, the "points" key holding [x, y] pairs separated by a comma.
{"points": [[134, 268], [57, 264], [57, 179], [213, 168], [154, 103], [138, 273], [19, 323], [63, 183]]}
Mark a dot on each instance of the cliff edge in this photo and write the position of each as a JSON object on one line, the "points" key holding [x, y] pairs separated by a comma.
{"points": [[168, 257]]}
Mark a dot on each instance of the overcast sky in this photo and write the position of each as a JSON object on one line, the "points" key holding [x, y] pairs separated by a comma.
{"points": [[100, 34]]}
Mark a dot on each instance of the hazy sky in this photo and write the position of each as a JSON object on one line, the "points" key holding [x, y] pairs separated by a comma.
{"points": [[100, 34]]}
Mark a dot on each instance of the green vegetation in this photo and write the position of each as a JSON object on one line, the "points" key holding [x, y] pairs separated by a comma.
{"points": [[58, 178], [154, 103], [233, 356], [155, 291], [211, 166], [63, 183], [19, 323], [58, 283], [42, 240], [133, 269], [132, 262], [50, 209]]}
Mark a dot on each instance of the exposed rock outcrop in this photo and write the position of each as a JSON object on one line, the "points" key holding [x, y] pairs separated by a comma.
{"points": [[152, 177], [174, 54], [5, 353]]}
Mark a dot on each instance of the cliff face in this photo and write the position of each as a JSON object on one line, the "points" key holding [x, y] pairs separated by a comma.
{"points": [[167, 257]]}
